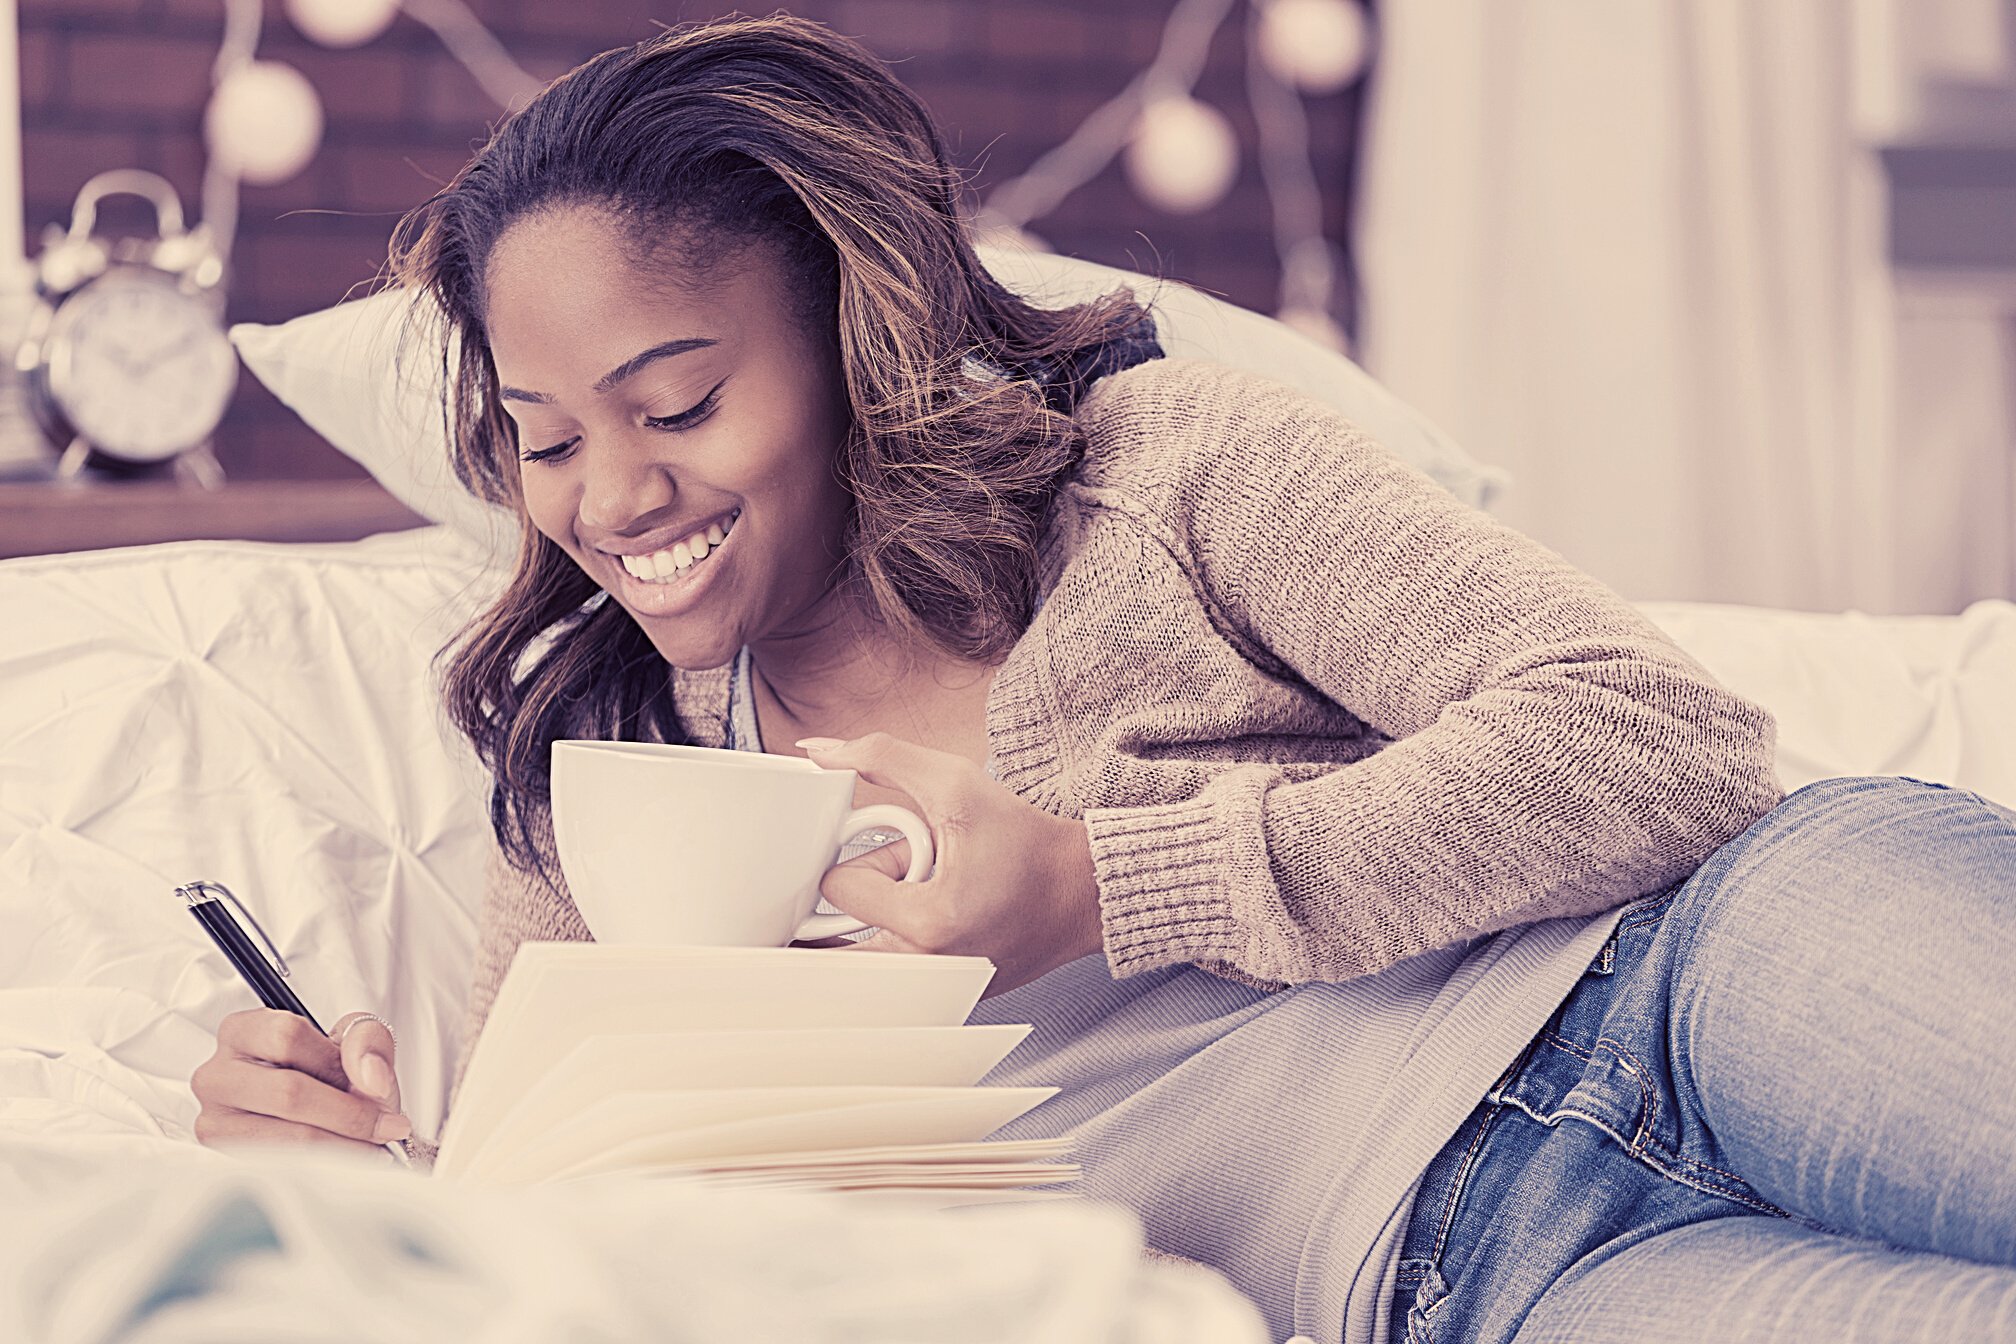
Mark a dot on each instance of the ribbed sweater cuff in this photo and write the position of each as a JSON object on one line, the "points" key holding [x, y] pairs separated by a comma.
{"points": [[1161, 873]]}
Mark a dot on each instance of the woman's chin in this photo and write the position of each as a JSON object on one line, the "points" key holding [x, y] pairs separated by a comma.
{"points": [[692, 650]]}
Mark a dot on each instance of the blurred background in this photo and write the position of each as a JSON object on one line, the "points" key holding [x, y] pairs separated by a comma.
{"points": [[1726, 287]]}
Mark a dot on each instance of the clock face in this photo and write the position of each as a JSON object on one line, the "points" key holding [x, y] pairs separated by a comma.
{"points": [[139, 368]]}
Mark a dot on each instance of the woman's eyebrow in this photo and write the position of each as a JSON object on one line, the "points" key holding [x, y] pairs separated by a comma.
{"points": [[663, 350]]}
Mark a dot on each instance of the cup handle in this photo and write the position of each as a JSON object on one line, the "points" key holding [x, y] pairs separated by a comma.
{"points": [[862, 819]]}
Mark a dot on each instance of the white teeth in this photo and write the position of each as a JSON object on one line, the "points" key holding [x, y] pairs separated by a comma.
{"points": [[662, 565]]}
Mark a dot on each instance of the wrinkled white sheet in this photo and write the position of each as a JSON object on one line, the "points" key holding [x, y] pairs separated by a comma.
{"points": [[1933, 697], [256, 715], [263, 716]]}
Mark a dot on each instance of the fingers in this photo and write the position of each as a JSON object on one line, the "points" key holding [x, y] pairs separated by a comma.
{"points": [[225, 1128], [940, 781], [367, 1054], [275, 1078], [284, 1039], [229, 1084], [891, 860], [905, 911]]}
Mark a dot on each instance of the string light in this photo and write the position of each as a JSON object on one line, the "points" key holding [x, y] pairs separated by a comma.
{"points": [[264, 122], [1181, 154], [1308, 269], [1319, 46], [1179, 60], [342, 23], [465, 38]]}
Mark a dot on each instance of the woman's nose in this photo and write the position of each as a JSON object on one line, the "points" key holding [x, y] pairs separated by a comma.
{"points": [[619, 486]]}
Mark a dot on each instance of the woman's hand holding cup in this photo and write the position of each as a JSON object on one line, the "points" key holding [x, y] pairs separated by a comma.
{"points": [[699, 846], [1013, 883]]}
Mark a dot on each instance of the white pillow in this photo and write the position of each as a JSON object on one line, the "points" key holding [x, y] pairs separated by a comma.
{"points": [[1193, 325], [352, 375], [342, 371]]}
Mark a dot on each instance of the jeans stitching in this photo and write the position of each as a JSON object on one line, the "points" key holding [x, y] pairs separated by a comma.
{"points": [[1642, 1146], [1648, 1097], [1457, 1184], [1651, 913], [1653, 1160], [1427, 1315], [1562, 1043], [1672, 1156]]}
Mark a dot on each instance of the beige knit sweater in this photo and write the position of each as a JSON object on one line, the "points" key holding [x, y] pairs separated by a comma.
{"points": [[1316, 714]]}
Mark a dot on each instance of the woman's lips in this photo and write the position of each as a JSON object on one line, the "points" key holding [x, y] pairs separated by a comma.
{"points": [[677, 594]]}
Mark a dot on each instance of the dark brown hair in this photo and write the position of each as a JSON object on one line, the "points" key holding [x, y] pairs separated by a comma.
{"points": [[703, 142]]}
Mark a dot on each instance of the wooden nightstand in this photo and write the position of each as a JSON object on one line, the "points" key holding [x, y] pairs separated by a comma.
{"points": [[40, 518]]}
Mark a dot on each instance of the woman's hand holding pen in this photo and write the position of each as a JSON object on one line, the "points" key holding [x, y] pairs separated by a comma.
{"points": [[275, 1079]]}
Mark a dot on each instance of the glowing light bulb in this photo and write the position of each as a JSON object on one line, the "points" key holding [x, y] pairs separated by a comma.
{"points": [[1183, 155], [342, 23], [264, 122], [1319, 46]]}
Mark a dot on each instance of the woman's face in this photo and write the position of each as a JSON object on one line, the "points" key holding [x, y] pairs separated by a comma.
{"points": [[684, 432]]}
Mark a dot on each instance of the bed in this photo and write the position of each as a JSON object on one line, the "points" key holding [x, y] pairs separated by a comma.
{"points": [[263, 715]]}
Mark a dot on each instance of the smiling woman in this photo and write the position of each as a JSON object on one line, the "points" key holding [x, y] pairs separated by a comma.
{"points": [[715, 284], [639, 454], [1329, 832]]}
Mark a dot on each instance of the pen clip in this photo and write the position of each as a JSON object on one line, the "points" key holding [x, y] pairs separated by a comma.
{"points": [[192, 892]]}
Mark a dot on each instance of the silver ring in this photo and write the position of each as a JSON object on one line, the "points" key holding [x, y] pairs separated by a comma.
{"points": [[368, 1017]]}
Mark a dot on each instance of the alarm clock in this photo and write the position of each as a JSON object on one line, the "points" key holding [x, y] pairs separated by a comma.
{"points": [[126, 361]]}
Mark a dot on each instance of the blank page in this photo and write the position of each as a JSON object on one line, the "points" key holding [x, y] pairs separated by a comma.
{"points": [[556, 995], [655, 1136], [695, 1060]]}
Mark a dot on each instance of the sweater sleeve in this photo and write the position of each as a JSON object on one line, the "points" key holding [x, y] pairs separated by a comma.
{"points": [[1552, 752]]}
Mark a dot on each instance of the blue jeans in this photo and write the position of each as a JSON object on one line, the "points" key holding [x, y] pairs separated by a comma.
{"points": [[1781, 1104]]}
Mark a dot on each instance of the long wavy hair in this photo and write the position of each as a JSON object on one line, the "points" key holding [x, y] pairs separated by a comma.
{"points": [[704, 142]]}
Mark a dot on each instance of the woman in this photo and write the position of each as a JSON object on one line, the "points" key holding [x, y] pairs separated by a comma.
{"points": [[1184, 673]]}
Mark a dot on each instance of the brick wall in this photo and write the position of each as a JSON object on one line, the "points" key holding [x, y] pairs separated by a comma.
{"points": [[121, 83]]}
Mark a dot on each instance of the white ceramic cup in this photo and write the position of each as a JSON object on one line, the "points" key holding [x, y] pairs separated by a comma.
{"points": [[666, 844]]}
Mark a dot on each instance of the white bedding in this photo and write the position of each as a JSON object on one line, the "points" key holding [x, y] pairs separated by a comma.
{"points": [[261, 715]]}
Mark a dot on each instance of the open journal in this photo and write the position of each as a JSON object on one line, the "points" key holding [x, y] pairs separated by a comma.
{"points": [[757, 1066]]}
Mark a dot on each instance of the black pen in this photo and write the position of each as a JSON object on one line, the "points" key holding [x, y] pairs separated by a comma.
{"points": [[206, 902]]}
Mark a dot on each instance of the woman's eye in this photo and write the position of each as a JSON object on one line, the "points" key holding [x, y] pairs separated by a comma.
{"points": [[558, 450], [687, 418]]}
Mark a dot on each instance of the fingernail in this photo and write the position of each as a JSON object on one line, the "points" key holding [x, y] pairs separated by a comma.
{"points": [[819, 743], [391, 1127], [375, 1077]]}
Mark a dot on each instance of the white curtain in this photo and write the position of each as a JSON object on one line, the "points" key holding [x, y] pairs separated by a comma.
{"points": [[1633, 251]]}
